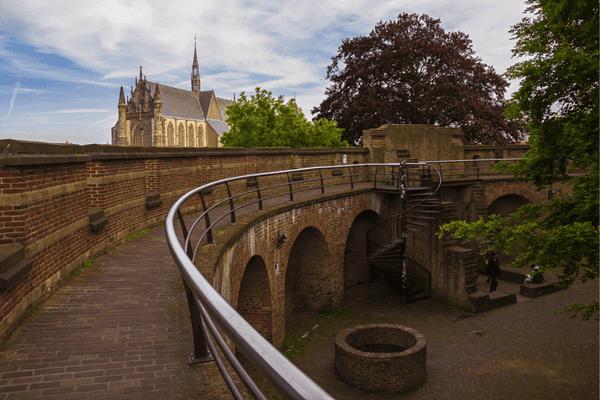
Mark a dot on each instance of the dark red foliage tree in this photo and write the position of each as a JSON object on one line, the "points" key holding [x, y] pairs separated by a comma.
{"points": [[410, 71]]}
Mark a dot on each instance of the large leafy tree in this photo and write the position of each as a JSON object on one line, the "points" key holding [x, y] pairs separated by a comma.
{"points": [[262, 121], [411, 71], [559, 97]]}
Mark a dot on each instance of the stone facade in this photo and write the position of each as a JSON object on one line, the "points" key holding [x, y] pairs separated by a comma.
{"points": [[164, 116]]}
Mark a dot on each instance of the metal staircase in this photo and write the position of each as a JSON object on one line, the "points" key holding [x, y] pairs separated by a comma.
{"points": [[386, 242]]}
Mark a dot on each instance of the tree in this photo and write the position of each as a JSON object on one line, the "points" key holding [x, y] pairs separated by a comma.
{"points": [[262, 121], [411, 71], [559, 97]]}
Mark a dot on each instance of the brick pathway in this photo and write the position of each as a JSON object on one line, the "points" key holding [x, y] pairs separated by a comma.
{"points": [[119, 330]]}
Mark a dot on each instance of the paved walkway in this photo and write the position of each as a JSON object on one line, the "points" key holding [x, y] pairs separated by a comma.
{"points": [[121, 330]]}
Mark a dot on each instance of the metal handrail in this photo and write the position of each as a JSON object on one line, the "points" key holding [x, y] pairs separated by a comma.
{"points": [[204, 300], [418, 273], [283, 374], [390, 225]]}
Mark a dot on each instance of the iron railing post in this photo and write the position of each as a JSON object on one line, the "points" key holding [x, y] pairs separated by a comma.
{"points": [[233, 219], [201, 353], [209, 236], [375, 180], [290, 183], [351, 180], [260, 203], [188, 249], [322, 184]]}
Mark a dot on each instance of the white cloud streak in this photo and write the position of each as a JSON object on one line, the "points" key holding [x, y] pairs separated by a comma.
{"points": [[112, 118], [78, 111], [12, 100]]}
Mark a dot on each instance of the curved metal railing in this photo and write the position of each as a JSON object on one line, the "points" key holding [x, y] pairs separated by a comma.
{"points": [[390, 232], [209, 310], [386, 241]]}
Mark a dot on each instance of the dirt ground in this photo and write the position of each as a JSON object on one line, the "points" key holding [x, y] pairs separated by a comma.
{"points": [[520, 351]]}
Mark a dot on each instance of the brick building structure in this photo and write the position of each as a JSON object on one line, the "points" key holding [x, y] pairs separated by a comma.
{"points": [[62, 205]]}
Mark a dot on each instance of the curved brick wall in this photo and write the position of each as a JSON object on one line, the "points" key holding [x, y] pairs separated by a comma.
{"points": [[47, 192], [381, 372], [321, 222]]}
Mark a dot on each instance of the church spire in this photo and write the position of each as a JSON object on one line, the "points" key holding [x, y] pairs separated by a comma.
{"points": [[122, 97], [195, 71], [157, 97]]}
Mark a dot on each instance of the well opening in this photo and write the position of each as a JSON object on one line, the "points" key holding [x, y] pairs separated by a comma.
{"points": [[381, 357]]}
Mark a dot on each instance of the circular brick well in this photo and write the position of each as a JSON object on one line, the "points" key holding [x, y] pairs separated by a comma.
{"points": [[392, 358]]}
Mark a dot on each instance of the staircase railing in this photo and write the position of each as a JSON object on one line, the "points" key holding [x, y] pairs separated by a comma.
{"points": [[392, 230], [417, 273], [390, 236]]}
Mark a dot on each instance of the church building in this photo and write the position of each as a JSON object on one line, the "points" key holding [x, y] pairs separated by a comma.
{"points": [[164, 116]]}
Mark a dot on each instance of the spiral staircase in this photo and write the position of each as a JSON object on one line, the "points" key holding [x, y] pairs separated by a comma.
{"points": [[386, 242]]}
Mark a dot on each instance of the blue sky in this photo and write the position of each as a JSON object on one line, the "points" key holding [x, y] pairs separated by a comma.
{"points": [[62, 61]]}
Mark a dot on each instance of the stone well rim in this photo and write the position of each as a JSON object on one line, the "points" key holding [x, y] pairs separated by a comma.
{"points": [[421, 342]]}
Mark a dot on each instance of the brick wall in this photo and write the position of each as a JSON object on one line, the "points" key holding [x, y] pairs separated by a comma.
{"points": [[420, 142], [47, 191], [311, 260]]}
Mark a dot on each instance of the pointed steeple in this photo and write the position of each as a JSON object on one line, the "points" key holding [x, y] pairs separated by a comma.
{"points": [[122, 97], [195, 71], [157, 97], [140, 72]]}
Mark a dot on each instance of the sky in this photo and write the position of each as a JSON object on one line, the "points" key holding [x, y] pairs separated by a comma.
{"points": [[62, 62]]}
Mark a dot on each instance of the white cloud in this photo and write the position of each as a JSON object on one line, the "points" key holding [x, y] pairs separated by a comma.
{"points": [[12, 100], [284, 47], [78, 111], [110, 120]]}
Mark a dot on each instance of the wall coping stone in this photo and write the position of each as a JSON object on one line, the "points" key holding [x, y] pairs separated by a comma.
{"points": [[41, 159]]}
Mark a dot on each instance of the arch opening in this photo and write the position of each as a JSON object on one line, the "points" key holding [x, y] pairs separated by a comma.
{"points": [[356, 269], [254, 299], [170, 134], [506, 205], [307, 280]]}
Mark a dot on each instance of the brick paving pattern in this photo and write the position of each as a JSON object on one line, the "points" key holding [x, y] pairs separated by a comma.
{"points": [[119, 330]]}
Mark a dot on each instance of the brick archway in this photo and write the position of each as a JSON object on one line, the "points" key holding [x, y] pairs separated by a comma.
{"points": [[307, 283], [523, 189], [254, 302], [356, 269], [507, 204]]}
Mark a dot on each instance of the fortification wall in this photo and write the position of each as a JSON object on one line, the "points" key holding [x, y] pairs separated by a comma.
{"points": [[53, 199]]}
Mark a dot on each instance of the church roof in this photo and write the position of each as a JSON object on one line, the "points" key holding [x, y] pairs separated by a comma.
{"points": [[219, 126], [178, 103], [205, 98], [181, 103], [223, 103]]}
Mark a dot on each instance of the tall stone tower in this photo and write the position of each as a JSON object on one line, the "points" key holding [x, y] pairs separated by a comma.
{"points": [[122, 138], [195, 72]]}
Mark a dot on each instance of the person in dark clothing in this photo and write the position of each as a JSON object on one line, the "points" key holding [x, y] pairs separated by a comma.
{"points": [[494, 271], [488, 266]]}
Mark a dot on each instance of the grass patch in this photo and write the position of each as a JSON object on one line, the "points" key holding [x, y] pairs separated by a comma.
{"points": [[128, 238], [31, 313], [328, 327], [85, 266], [463, 309]]}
